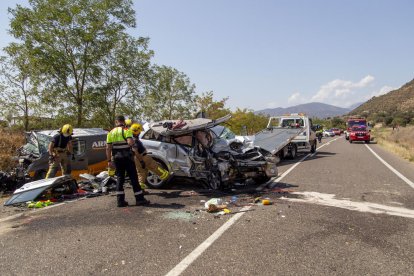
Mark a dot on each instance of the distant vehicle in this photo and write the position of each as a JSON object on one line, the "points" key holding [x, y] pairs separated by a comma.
{"points": [[337, 131], [328, 133], [354, 122], [359, 133]]}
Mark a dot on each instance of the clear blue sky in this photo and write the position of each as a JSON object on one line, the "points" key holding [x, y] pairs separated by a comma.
{"points": [[273, 53]]}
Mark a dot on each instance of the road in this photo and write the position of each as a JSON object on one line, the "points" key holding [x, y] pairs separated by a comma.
{"points": [[341, 211]]}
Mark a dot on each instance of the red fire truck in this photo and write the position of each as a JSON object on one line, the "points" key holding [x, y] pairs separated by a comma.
{"points": [[354, 122]]}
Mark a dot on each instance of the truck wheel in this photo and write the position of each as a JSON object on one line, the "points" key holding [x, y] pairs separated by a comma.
{"points": [[313, 147], [153, 180], [293, 152]]}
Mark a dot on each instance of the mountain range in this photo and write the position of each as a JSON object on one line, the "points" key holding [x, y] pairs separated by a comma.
{"points": [[314, 109]]}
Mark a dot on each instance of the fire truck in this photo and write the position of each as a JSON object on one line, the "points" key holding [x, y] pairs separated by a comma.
{"points": [[351, 122]]}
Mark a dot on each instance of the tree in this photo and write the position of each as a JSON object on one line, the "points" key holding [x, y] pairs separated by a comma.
{"points": [[19, 94], [213, 109], [171, 95], [68, 40], [244, 120], [125, 72]]}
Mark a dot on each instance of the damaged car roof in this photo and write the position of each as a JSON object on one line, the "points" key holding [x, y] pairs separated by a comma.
{"points": [[182, 127]]}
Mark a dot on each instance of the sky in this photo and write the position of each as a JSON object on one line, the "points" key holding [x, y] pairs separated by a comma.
{"points": [[274, 53]]}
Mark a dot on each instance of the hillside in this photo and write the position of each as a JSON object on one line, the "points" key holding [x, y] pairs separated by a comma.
{"points": [[400, 100], [319, 110]]}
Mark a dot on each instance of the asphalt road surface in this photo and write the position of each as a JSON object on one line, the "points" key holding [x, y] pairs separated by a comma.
{"points": [[341, 211]]}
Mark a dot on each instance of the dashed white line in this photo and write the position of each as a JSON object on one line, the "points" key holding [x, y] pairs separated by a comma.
{"points": [[405, 179]]}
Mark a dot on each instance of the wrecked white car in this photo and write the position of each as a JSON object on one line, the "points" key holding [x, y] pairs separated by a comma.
{"points": [[192, 149]]}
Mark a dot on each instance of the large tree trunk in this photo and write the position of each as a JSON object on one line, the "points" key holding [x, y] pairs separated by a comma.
{"points": [[80, 113]]}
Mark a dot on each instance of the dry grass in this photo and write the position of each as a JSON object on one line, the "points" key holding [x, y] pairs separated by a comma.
{"points": [[10, 141], [400, 142]]}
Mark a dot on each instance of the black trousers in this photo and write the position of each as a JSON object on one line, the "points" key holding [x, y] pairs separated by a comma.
{"points": [[122, 165]]}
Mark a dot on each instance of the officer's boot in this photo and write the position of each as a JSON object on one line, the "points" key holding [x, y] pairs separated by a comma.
{"points": [[140, 200], [121, 201]]}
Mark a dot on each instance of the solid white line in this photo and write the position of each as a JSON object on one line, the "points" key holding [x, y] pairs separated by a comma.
{"points": [[187, 261], [366, 207], [405, 179]]}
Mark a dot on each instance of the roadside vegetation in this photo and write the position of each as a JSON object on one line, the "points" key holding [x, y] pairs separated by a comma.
{"points": [[399, 141], [10, 141]]}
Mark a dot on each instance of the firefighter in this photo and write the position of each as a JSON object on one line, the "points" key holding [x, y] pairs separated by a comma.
{"points": [[143, 161], [119, 154], [60, 149]]}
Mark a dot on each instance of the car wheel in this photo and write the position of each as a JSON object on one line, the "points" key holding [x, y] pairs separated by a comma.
{"points": [[153, 180], [367, 142], [350, 141]]}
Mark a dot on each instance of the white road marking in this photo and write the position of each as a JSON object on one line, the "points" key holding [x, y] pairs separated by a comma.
{"points": [[366, 207], [190, 258], [187, 261], [405, 179]]}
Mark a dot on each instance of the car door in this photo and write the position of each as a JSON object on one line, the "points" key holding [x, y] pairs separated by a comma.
{"points": [[80, 161]]}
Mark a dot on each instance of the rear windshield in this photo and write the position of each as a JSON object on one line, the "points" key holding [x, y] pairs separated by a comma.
{"points": [[294, 122]]}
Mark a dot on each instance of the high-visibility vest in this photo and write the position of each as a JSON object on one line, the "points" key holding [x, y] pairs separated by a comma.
{"points": [[118, 138]]}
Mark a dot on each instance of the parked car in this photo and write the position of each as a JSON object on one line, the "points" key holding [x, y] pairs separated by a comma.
{"points": [[359, 133], [336, 131], [328, 133], [191, 149]]}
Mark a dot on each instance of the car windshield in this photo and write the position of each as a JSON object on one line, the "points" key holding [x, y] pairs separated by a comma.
{"points": [[227, 134], [359, 128], [43, 141], [31, 145], [356, 123]]}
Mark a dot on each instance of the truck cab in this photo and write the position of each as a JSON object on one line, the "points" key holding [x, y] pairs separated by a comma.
{"points": [[306, 140]]}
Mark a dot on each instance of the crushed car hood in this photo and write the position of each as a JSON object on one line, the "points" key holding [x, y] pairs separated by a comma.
{"points": [[30, 191], [188, 126]]}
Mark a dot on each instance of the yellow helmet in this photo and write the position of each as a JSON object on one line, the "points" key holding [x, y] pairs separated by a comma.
{"points": [[67, 130], [128, 122], [136, 129]]}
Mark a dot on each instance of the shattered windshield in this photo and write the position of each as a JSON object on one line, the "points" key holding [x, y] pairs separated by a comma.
{"points": [[44, 141], [227, 134], [36, 144], [31, 145]]}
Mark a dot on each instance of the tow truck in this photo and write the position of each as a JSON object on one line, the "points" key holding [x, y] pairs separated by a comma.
{"points": [[285, 135]]}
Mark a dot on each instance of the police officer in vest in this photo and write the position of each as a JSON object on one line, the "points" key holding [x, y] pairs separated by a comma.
{"points": [[118, 151], [60, 149]]}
